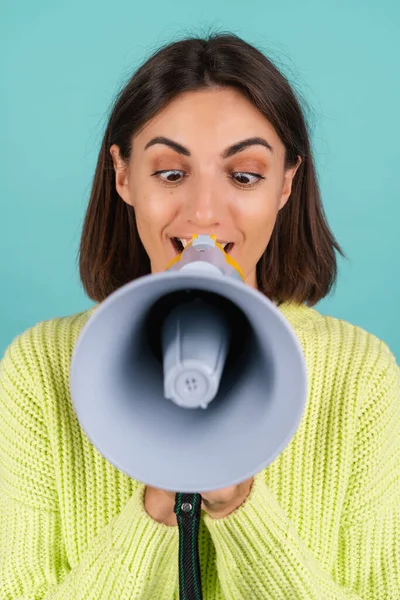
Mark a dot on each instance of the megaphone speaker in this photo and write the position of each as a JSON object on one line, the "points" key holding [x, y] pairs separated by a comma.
{"points": [[189, 380]]}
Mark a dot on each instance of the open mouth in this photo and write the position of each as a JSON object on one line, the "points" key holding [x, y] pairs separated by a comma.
{"points": [[179, 244]]}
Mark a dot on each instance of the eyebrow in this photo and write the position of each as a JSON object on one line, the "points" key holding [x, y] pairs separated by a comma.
{"points": [[227, 153]]}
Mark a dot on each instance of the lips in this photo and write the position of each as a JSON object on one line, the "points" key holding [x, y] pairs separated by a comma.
{"points": [[180, 244]]}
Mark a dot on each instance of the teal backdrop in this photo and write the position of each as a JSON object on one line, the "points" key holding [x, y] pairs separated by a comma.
{"points": [[62, 64]]}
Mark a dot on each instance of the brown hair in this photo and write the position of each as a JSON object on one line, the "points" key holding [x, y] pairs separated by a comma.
{"points": [[299, 263]]}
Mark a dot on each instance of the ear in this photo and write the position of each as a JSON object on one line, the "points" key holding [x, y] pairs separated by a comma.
{"points": [[287, 183], [121, 174]]}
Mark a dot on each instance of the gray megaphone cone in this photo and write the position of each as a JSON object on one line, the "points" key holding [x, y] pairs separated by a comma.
{"points": [[186, 403]]}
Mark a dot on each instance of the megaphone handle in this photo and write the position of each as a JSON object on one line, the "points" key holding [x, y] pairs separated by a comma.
{"points": [[187, 509]]}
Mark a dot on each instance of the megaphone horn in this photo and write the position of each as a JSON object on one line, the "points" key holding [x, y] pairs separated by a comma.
{"points": [[189, 379]]}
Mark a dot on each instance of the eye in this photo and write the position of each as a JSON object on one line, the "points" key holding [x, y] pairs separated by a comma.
{"points": [[169, 176], [173, 176], [246, 179]]}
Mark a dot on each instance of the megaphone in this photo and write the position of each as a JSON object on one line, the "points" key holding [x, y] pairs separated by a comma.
{"points": [[189, 379]]}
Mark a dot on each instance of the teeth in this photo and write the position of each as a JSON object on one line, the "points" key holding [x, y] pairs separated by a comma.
{"points": [[225, 244], [185, 242]]}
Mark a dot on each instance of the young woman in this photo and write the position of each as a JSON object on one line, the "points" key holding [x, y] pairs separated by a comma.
{"points": [[207, 137]]}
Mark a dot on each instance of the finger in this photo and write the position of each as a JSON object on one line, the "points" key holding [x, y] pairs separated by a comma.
{"points": [[222, 496]]}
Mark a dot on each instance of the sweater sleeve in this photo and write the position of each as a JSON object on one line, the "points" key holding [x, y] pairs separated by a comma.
{"points": [[131, 557], [260, 554]]}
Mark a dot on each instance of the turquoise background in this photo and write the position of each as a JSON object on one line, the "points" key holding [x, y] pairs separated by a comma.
{"points": [[63, 62]]}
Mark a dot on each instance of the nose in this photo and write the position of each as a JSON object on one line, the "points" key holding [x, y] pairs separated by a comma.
{"points": [[204, 208]]}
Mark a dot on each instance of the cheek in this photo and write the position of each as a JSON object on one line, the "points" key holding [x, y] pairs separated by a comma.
{"points": [[152, 210], [257, 216]]}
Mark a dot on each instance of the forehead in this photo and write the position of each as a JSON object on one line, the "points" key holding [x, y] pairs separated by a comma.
{"points": [[215, 117]]}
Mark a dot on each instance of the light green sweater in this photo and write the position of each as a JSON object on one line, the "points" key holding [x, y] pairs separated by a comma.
{"points": [[322, 522]]}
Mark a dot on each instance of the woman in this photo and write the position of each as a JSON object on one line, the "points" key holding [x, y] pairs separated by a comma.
{"points": [[207, 137]]}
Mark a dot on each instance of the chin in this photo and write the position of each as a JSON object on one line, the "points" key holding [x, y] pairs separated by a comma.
{"points": [[155, 269]]}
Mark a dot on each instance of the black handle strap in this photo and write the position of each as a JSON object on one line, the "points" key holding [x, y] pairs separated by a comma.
{"points": [[188, 509]]}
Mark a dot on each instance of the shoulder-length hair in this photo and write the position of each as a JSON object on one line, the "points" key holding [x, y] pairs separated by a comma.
{"points": [[299, 264]]}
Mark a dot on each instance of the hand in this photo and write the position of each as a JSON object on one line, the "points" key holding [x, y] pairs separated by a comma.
{"points": [[220, 503], [159, 504]]}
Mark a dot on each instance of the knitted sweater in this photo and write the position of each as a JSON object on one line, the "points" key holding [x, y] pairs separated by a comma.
{"points": [[322, 522]]}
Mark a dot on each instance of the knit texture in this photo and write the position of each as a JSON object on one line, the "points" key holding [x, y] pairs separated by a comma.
{"points": [[322, 522]]}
